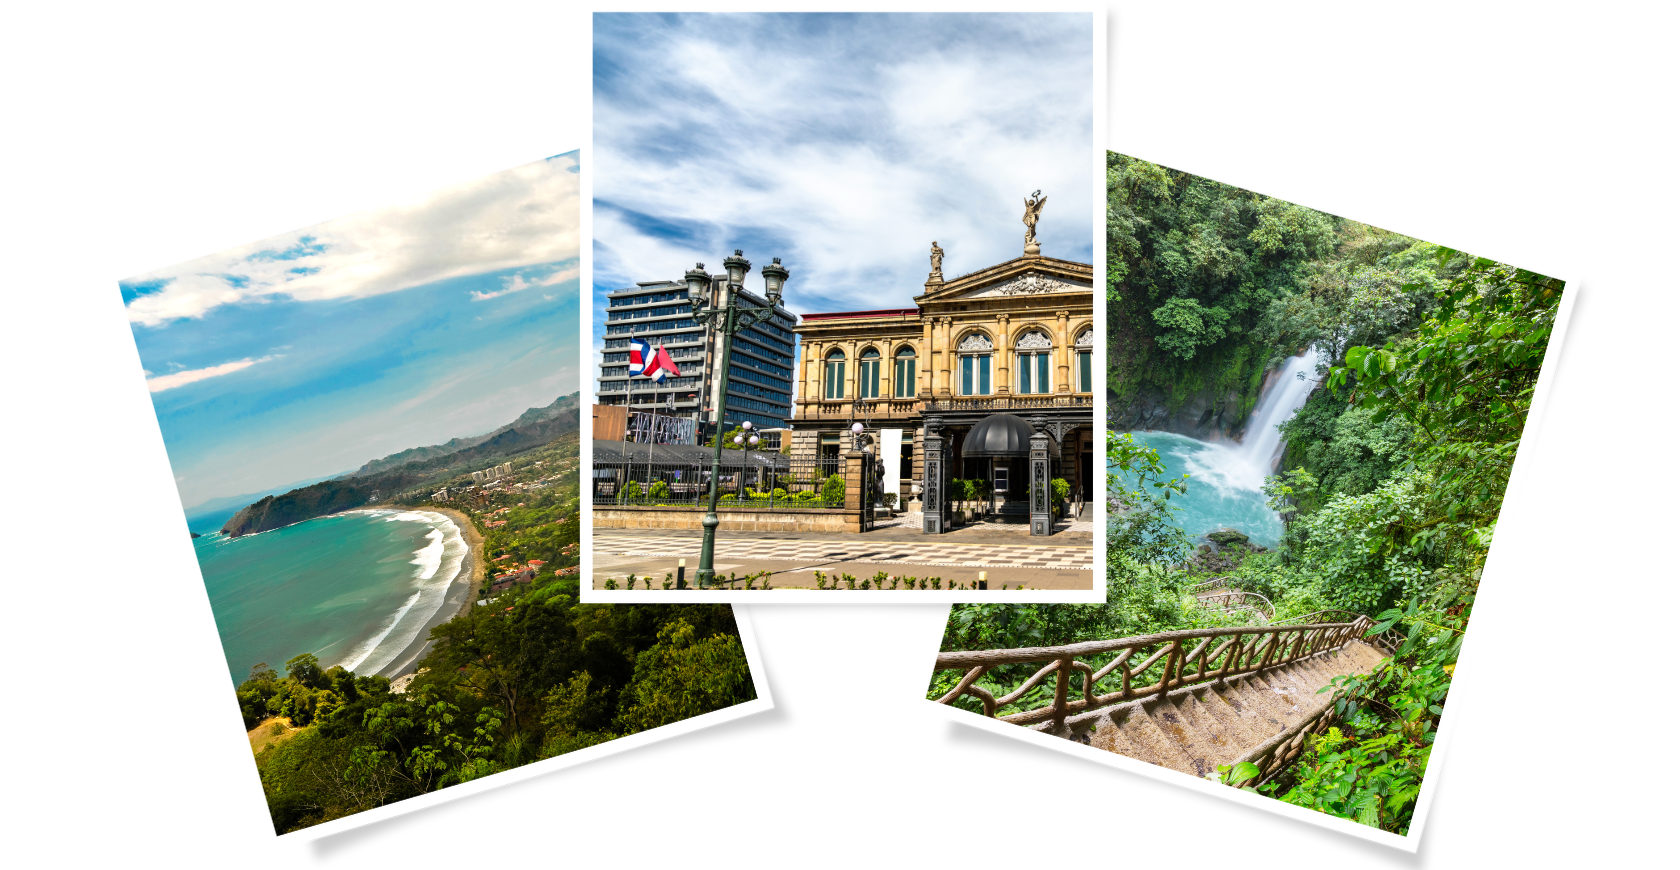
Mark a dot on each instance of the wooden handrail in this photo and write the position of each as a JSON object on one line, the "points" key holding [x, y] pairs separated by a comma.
{"points": [[1245, 649]]}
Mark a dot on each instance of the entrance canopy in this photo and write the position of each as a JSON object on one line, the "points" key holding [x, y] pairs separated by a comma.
{"points": [[1000, 436]]}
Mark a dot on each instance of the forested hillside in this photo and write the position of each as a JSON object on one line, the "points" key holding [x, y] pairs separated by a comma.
{"points": [[415, 469], [1211, 285]]}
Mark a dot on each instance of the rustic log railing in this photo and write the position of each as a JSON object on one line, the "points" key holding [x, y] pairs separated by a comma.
{"points": [[1208, 585], [1185, 658], [1238, 600]]}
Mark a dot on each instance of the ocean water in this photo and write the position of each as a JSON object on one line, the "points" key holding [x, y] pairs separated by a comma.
{"points": [[354, 588]]}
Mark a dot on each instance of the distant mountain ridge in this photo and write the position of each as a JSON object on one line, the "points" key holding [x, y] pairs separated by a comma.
{"points": [[413, 467], [209, 515], [531, 417]]}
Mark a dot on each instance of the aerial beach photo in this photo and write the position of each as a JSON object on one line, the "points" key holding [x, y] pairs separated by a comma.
{"points": [[373, 424]]}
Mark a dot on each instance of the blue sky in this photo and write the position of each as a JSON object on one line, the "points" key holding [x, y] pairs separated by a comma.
{"points": [[845, 144], [309, 353]]}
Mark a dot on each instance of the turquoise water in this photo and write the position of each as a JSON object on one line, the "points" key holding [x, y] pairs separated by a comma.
{"points": [[1226, 478], [1224, 490], [354, 588]]}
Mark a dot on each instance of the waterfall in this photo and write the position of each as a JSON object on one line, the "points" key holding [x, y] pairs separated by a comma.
{"points": [[1232, 469], [1226, 478], [1262, 444]]}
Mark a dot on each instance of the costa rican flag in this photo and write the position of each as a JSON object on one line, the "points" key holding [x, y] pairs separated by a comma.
{"points": [[654, 364], [640, 355]]}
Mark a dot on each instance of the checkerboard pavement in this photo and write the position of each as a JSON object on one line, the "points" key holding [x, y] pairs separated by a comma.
{"points": [[913, 521], [881, 553]]}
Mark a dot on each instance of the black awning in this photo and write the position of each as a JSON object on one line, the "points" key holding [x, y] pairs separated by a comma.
{"points": [[1002, 436]]}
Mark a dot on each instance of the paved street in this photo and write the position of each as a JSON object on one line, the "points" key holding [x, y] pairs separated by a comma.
{"points": [[1063, 561]]}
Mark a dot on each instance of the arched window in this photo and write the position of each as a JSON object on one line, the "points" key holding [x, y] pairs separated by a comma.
{"points": [[976, 353], [869, 374], [834, 375], [1083, 345], [904, 373], [1033, 351]]}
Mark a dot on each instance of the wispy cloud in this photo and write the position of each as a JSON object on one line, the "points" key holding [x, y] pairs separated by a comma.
{"points": [[160, 383], [520, 282], [845, 144], [502, 221]]}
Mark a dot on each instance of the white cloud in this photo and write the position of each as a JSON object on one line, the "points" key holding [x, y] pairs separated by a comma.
{"points": [[518, 283], [180, 379], [519, 217], [875, 136]]}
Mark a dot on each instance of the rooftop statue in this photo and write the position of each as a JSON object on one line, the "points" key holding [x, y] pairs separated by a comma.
{"points": [[1035, 206]]}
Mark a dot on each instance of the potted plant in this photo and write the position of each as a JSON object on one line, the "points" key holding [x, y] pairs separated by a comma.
{"points": [[1060, 491]]}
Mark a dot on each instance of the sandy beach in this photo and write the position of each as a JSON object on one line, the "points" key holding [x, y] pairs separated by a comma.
{"points": [[463, 591]]}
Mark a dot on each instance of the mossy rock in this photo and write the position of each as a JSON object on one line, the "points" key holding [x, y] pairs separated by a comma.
{"points": [[1225, 537]]}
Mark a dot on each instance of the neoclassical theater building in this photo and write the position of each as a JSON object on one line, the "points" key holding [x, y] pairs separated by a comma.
{"points": [[986, 360]]}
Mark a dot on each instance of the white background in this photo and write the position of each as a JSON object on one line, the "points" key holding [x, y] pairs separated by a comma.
{"points": [[1539, 135]]}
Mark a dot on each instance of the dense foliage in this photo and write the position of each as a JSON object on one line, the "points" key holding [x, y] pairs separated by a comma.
{"points": [[502, 688], [1393, 474]]}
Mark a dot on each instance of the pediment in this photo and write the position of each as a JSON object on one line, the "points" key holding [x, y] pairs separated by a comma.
{"points": [[1025, 276], [1027, 284]]}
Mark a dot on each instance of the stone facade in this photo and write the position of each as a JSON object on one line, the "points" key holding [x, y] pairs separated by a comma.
{"points": [[1016, 338]]}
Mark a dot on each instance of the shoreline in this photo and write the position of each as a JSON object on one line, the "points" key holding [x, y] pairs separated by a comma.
{"points": [[456, 602]]}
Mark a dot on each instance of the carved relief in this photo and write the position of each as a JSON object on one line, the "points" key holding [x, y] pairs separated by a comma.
{"points": [[1086, 338], [1030, 283], [1032, 340], [975, 341]]}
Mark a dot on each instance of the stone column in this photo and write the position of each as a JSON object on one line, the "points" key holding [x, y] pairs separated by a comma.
{"points": [[924, 361], [942, 336], [1064, 384], [1000, 384], [884, 377], [856, 486], [851, 370], [933, 478], [810, 377], [1038, 478]]}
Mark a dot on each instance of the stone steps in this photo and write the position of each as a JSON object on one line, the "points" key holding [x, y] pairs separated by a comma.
{"points": [[1195, 730]]}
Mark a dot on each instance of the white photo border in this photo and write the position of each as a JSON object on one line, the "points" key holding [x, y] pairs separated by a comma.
{"points": [[1097, 594]]}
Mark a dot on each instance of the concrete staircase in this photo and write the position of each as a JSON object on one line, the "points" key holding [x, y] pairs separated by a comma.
{"points": [[1190, 700], [1195, 729]]}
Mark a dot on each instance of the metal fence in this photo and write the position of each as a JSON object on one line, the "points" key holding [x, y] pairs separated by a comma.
{"points": [[652, 475]]}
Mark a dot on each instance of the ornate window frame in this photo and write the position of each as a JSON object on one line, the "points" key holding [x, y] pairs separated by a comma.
{"points": [[974, 361]]}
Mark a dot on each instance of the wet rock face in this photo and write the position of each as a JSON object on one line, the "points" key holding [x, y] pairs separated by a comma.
{"points": [[1204, 415], [1224, 551]]}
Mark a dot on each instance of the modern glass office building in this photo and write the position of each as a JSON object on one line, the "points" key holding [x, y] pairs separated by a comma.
{"points": [[759, 385]]}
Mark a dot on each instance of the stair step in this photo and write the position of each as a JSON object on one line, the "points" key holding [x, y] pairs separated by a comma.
{"points": [[1216, 723], [1365, 656], [1243, 726], [1301, 677], [1283, 694], [1150, 744], [1255, 697], [1197, 733]]}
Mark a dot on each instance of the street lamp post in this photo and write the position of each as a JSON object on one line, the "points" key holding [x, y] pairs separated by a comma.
{"points": [[747, 442], [729, 317]]}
